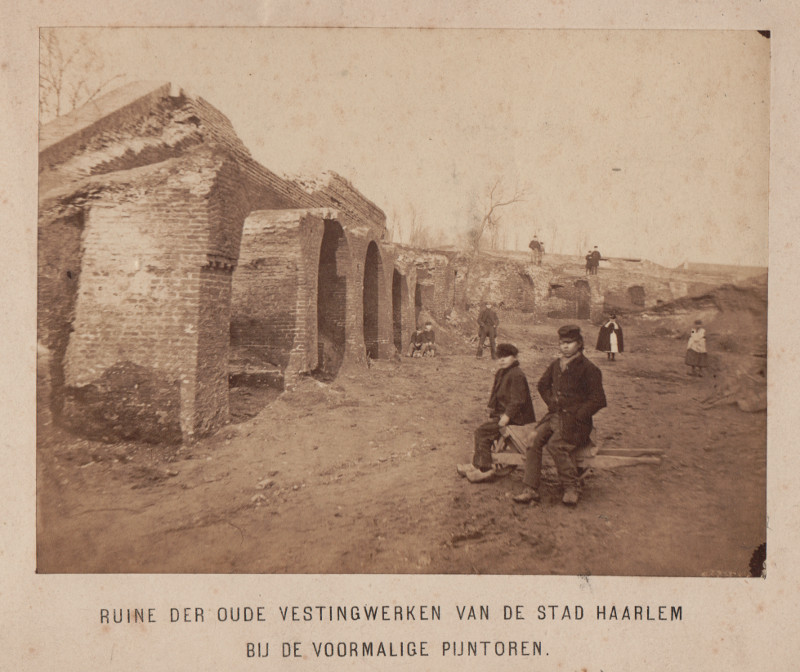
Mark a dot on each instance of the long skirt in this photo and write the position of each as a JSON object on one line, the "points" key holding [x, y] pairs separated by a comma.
{"points": [[694, 358]]}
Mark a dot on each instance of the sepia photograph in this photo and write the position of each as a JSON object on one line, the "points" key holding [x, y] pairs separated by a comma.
{"points": [[402, 301]]}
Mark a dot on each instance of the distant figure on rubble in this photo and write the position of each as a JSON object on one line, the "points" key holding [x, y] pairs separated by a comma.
{"points": [[572, 388], [537, 251], [589, 262], [417, 341], [487, 326], [596, 257], [696, 355], [428, 341], [609, 339], [510, 403]]}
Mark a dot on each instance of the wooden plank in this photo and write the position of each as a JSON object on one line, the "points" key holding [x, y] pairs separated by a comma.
{"points": [[597, 462], [630, 452]]}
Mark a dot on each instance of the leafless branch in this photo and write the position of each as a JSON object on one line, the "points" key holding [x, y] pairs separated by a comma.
{"points": [[69, 75]]}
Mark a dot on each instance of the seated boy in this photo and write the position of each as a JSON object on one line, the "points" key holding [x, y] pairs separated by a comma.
{"points": [[428, 341], [415, 347], [509, 404], [572, 388]]}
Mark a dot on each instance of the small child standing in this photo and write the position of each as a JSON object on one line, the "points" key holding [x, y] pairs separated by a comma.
{"points": [[696, 355]]}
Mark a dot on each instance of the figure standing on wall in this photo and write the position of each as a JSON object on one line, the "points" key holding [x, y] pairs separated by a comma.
{"points": [[589, 262], [696, 355], [537, 251], [609, 339], [487, 326], [596, 257]]}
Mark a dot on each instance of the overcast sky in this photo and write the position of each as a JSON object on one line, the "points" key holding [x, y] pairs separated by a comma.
{"points": [[651, 144]]}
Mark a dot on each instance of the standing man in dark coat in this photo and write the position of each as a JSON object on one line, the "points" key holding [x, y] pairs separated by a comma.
{"points": [[487, 326], [509, 404], [572, 388], [596, 257], [537, 250]]}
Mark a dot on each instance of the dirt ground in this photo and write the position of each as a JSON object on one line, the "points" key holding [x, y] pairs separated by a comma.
{"points": [[358, 476]]}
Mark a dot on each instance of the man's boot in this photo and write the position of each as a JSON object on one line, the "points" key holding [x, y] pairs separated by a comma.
{"points": [[571, 496]]}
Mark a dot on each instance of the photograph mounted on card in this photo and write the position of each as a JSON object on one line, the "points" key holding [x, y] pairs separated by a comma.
{"points": [[402, 301]]}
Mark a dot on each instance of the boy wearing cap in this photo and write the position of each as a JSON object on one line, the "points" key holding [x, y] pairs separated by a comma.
{"points": [[509, 404], [572, 388], [415, 346], [429, 341]]}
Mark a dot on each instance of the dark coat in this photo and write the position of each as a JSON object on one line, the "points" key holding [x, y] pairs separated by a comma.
{"points": [[488, 319], [576, 394], [429, 336], [604, 338], [512, 396]]}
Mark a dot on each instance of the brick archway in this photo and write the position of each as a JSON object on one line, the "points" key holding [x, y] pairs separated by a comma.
{"points": [[400, 328], [334, 262], [373, 279], [583, 299]]}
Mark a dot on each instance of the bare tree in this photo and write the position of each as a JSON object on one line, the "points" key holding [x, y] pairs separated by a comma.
{"points": [[553, 231], [419, 233], [393, 234], [488, 222], [582, 242], [69, 75]]}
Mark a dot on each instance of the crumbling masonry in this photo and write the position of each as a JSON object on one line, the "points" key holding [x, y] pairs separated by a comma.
{"points": [[169, 258], [171, 262]]}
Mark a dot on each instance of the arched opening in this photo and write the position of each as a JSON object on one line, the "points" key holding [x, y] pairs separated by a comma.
{"points": [[425, 293], [372, 274], [332, 299], [399, 304], [636, 295], [583, 297], [527, 303]]}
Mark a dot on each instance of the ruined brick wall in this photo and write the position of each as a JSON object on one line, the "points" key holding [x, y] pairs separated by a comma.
{"points": [[444, 276], [330, 190], [210, 402], [401, 276], [373, 283], [142, 205], [335, 315], [155, 267], [629, 290], [68, 135], [369, 322], [274, 302], [59, 268], [265, 190], [570, 298], [507, 283], [433, 288]]}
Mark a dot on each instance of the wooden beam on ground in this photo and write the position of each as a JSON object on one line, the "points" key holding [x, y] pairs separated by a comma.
{"points": [[600, 461]]}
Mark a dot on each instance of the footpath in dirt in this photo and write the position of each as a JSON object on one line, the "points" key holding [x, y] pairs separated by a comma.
{"points": [[358, 476]]}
